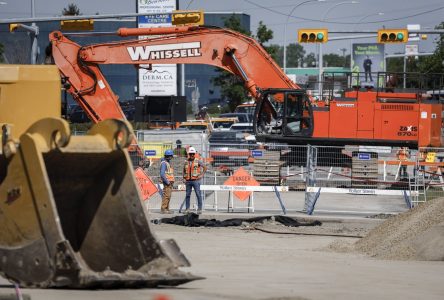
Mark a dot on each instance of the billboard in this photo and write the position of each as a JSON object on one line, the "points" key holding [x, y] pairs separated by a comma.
{"points": [[159, 80], [367, 60]]}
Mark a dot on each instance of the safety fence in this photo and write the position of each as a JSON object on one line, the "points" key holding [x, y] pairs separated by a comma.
{"points": [[413, 174]]}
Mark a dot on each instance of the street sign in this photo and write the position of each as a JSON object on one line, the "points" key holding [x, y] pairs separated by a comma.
{"points": [[241, 178], [411, 50], [413, 37], [256, 153], [364, 156], [146, 186], [150, 152]]}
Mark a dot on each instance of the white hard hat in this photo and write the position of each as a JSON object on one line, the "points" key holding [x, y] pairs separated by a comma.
{"points": [[191, 150]]}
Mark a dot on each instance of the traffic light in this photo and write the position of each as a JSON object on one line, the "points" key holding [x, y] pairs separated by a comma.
{"points": [[13, 27], [393, 36], [77, 25], [319, 35], [187, 17]]}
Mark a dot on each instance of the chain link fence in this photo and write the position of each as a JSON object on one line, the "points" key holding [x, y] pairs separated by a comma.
{"points": [[414, 173]]}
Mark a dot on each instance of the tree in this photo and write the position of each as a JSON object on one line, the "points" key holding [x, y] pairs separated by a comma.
{"points": [[435, 62], [295, 55], [263, 35], [232, 87], [309, 60], [333, 60], [233, 23], [71, 10]]}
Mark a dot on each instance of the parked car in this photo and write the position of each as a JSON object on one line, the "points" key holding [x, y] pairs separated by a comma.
{"points": [[220, 124], [230, 148], [196, 125], [241, 117], [242, 127]]}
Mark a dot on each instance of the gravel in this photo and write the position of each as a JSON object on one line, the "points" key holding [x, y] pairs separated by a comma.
{"points": [[417, 234]]}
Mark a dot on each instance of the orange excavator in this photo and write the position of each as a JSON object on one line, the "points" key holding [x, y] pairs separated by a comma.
{"points": [[284, 111]]}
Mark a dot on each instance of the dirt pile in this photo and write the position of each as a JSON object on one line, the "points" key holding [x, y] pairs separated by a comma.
{"points": [[414, 235]]}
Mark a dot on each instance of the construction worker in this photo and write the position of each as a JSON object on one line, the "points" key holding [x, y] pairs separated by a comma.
{"points": [[403, 156], [167, 177], [193, 171]]}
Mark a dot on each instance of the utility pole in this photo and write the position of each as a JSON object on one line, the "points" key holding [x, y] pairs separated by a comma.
{"points": [[343, 50]]}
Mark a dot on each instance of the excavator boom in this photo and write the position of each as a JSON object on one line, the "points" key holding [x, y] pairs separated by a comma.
{"points": [[226, 49]]}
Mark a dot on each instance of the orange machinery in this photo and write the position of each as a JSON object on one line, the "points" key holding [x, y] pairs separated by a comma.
{"points": [[377, 115], [284, 112]]}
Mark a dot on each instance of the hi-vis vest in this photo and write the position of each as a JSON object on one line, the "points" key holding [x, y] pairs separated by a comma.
{"points": [[191, 170], [403, 154], [169, 172]]}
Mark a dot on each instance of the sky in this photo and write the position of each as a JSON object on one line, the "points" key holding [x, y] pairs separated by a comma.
{"points": [[336, 15]]}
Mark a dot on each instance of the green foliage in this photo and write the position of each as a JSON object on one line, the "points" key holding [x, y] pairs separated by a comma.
{"points": [[215, 109], [71, 10], [232, 87], [295, 54], [310, 60], [422, 64], [233, 23], [333, 60], [276, 53], [263, 34], [435, 62]]}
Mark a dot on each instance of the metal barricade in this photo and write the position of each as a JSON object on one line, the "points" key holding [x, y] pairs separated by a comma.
{"points": [[357, 170]]}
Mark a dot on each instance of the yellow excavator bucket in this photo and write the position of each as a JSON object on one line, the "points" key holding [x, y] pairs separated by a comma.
{"points": [[71, 213]]}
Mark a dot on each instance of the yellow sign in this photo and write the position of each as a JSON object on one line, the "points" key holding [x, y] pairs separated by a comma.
{"points": [[430, 157], [187, 17], [77, 25]]}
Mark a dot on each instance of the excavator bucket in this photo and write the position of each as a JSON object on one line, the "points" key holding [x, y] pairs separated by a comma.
{"points": [[71, 214]]}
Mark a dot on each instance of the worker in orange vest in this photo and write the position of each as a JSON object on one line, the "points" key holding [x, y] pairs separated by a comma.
{"points": [[167, 177], [403, 156], [193, 171]]}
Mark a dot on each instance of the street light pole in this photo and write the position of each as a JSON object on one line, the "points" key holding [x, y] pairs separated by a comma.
{"points": [[285, 29], [343, 50], [320, 44]]}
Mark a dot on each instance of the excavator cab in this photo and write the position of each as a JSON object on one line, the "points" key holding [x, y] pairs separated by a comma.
{"points": [[284, 112]]}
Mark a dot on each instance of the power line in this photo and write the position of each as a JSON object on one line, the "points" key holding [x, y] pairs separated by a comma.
{"points": [[350, 23]]}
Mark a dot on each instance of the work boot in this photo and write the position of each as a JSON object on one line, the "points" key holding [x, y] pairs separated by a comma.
{"points": [[199, 211], [187, 211]]}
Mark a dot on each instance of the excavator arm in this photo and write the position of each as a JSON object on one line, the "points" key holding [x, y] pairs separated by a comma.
{"points": [[223, 48]]}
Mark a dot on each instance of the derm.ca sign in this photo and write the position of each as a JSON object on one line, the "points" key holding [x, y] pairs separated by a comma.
{"points": [[161, 79]]}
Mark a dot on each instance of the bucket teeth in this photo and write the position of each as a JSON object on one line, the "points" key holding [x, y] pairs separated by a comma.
{"points": [[82, 228]]}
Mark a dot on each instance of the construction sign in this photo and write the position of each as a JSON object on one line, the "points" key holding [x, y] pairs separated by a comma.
{"points": [[241, 178], [146, 186], [430, 158]]}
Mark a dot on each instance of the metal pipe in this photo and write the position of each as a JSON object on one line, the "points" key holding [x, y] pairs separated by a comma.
{"points": [[238, 66]]}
